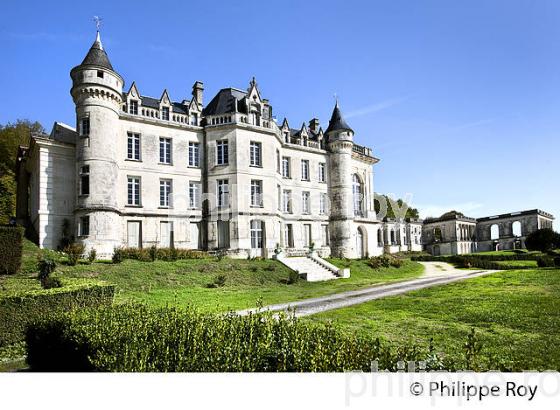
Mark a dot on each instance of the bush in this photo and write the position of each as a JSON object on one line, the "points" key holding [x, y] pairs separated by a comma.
{"points": [[293, 277], [545, 262], [219, 281], [11, 249], [50, 283], [74, 252], [165, 254], [18, 310], [384, 261], [136, 338], [117, 255], [543, 240], [557, 261], [46, 266], [92, 255]]}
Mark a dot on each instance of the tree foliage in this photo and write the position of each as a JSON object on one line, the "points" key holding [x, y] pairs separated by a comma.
{"points": [[543, 240], [11, 137], [390, 209]]}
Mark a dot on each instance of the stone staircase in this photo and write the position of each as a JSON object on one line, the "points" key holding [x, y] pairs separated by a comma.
{"points": [[314, 269]]}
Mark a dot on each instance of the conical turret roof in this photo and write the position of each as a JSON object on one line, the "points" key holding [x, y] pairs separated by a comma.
{"points": [[96, 56], [337, 122]]}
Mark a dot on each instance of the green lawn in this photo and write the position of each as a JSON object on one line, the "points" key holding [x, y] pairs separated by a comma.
{"points": [[186, 281], [532, 264], [516, 313]]}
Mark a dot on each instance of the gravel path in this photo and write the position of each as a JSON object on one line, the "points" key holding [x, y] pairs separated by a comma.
{"points": [[435, 274]]}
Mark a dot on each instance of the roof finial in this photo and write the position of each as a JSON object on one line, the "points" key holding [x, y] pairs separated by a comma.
{"points": [[98, 21], [335, 100]]}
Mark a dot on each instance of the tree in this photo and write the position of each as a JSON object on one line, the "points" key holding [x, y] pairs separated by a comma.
{"points": [[11, 137], [390, 210], [543, 240]]}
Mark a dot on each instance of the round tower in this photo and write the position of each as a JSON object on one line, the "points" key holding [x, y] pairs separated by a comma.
{"points": [[339, 143], [97, 93]]}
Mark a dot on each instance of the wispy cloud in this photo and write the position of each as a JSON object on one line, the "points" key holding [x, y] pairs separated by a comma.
{"points": [[427, 210], [376, 107]]}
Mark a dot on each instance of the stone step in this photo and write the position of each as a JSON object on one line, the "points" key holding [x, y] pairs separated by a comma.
{"points": [[309, 268]]}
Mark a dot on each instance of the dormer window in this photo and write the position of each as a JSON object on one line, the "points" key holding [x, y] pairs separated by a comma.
{"points": [[99, 74], [133, 107], [165, 113], [194, 118]]}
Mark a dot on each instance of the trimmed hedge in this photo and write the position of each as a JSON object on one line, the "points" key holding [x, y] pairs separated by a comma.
{"points": [[11, 249], [22, 309], [136, 338], [153, 253], [481, 261]]}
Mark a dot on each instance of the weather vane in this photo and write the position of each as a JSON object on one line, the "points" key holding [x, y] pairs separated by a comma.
{"points": [[336, 99], [97, 21]]}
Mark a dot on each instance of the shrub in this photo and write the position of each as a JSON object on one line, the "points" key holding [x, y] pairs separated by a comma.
{"points": [[545, 262], [67, 238], [46, 266], [219, 281], [396, 262], [50, 283], [11, 249], [557, 261], [543, 240], [376, 262], [117, 255], [74, 252], [293, 277], [18, 310], [136, 338], [153, 253], [92, 255]]}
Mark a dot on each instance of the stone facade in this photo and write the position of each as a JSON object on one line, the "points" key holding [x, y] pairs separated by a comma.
{"points": [[141, 171], [455, 234]]}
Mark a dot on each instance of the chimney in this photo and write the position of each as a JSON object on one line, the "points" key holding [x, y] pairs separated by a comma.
{"points": [[314, 125], [197, 89]]}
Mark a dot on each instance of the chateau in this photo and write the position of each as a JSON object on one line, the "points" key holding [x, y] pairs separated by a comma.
{"points": [[139, 171]]}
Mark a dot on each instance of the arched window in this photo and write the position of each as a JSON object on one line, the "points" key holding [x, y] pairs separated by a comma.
{"points": [[516, 229], [358, 195], [494, 232], [379, 237]]}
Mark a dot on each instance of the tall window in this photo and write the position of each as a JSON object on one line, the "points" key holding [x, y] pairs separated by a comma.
{"points": [[223, 152], [255, 154], [84, 226], [194, 194], [358, 194], [323, 204], [322, 172], [84, 127], [223, 193], [304, 170], [278, 162], [307, 235], [133, 191], [287, 201], [194, 154], [194, 118], [286, 167], [256, 192], [279, 189], [325, 235], [165, 191], [133, 107], [305, 208], [133, 151], [289, 236], [165, 113], [84, 180], [165, 150], [256, 234]]}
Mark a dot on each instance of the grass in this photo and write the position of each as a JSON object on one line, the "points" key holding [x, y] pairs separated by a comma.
{"points": [[516, 313], [532, 264], [184, 282]]}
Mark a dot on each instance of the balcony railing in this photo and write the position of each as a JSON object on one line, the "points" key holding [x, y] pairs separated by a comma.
{"points": [[362, 150]]}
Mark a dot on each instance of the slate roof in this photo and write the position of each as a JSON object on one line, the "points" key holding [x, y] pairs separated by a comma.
{"points": [[224, 102], [96, 56], [337, 122]]}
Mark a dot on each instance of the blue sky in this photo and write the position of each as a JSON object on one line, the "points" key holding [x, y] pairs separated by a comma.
{"points": [[459, 99]]}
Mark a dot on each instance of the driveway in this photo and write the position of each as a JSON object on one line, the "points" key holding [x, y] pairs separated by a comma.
{"points": [[435, 274]]}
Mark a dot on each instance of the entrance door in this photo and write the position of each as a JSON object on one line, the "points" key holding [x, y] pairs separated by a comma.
{"points": [[223, 234], [257, 238], [166, 234], [134, 236], [359, 244], [195, 235]]}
